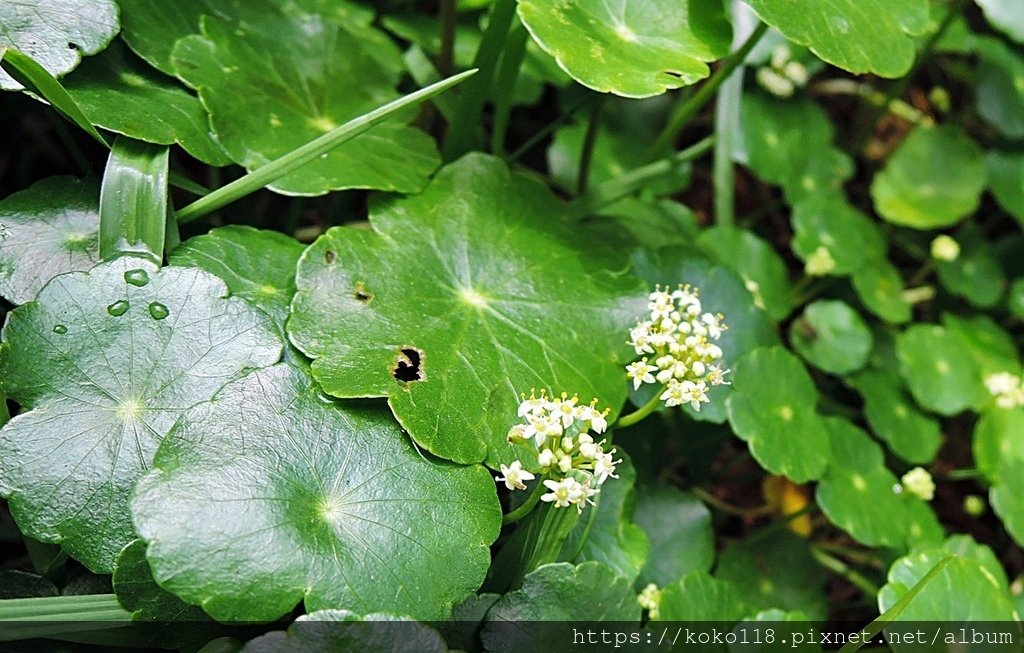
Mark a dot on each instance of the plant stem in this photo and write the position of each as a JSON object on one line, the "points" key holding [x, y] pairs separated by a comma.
{"points": [[589, 141], [686, 111], [505, 85], [446, 56], [714, 501], [962, 474], [528, 505], [629, 420], [839, 567], [544, 132]]}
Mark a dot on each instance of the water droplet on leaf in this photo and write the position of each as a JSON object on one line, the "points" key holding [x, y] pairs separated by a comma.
{"points": [[118, 308], [137, 277], [60, 328], [158, 311]]}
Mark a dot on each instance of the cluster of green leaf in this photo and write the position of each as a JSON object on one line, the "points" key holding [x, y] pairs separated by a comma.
{"points": [[215, 423]]}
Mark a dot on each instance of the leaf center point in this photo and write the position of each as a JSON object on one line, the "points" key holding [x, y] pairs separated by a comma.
{"points": [[473, 297]]}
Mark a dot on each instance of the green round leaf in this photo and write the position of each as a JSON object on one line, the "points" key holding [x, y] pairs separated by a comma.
{"points": [[991, 347], [880, 287], [998, 437], [827, 220], [912, 435], [329, 631], [775, 570], [972, 587], [1004, 15], [941, 376], [119, 92], [1006, 181], [698, 596], [257, 265], [922, 526], [999, 87], [104, 363], [832, 337], [558, 592], [763, 270], [265, 101], [50, 228], [679, 528], [1007, 497], [916, 188], [772, 409], [721, 291], [56, 33], [860, 36], [976, 274], [631, 48], [857, 495], [332, 501], [458, 300]]}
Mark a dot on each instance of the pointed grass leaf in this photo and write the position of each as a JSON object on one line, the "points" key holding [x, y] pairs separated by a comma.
{"points": [[698, 596], [860, 36], [679, 528], [940, 374], [330, 631], [858, 495], [1007, 496], [265, 101], [343, 510], [628, 47], [558, 592], [893, 416], [916, 189], [134, 200], [103, 363], [832, 336], [56, 33], [50, 228], [458, 300], [121, 93], [777, 418]]}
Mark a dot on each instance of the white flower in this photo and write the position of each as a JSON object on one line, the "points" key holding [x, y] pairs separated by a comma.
{"points": [[650, 599], [640, 372], [541, 427], [604, 467], [534, 405], [599, 422], [945, 248], [716, 375], [590, 450], [564, 409], [546, 458], [563, 492], [565, 464], [919, 483], [1007, 389], [517, 433], [661, 305], [514, 475]]}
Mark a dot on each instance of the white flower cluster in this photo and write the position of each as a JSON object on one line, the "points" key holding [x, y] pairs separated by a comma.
{"points": [[560, 429], [678, 338], [783, 75], [1006, 388], [650, 600], [919, 483]]}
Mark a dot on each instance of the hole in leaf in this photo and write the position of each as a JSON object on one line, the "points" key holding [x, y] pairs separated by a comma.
{"points": [[330, 257], [672, 73], [361, 294], [72, 46], [408, 365]]}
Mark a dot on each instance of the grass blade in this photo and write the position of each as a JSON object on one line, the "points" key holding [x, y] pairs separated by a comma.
{"points": [[133, 200], [27, 72], [280, 167]]}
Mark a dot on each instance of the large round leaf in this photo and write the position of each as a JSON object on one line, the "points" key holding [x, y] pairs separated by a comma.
{"points": [[912, 435], [679, 528], [458, 300], [998, 439], [918, 189], [1007, 497], [1006, 181], [860, 36], [272, 493], [50, 228], [633, 48], [265, 100], [698, 596], [941, 375], [763, 270], [772, 408], [880, 287], [827, 220], [832, 336], [119, 92], [56, 33], [999, 90], [105, 362]]}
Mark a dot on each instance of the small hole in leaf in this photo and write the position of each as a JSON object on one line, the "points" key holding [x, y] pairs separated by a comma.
{"points": [[361, 294], [72, 46], [408, 365], [672, 73], [330, 257]]}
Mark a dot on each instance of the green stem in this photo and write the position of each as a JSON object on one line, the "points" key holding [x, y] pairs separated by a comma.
{"points": [[446, 56], [686, 111], [527, 505], [505, 85], [629, 420], [589, 142], [839, 567], [63, 608], [464, 132], [543, 133], [962, 474], [714, 501], [557, 522]]}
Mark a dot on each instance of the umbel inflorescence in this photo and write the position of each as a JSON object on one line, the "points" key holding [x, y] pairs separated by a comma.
{"points": [[560, 428], [678, 340]]}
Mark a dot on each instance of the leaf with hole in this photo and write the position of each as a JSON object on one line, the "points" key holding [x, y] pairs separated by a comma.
{"points": [[56, 33], [50, 228], [347, 514], [458, 300], [628, 47], [777, 419], [262, 106], [104, 363], [860, 36]]}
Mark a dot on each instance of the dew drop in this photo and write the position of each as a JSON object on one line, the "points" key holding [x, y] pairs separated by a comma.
{"points": [[158, 311], [137, 277], [60, 329], [118, 308]]}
